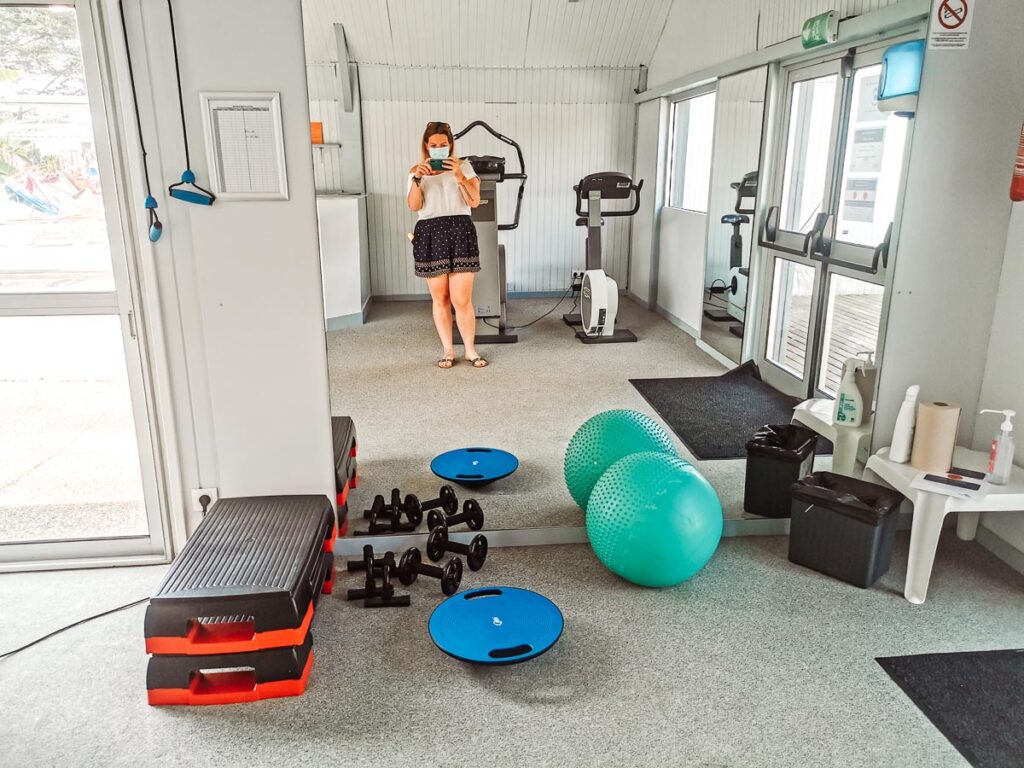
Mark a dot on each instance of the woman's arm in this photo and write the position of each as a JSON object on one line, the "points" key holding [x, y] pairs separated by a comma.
{"points": [[414, 198], [468, 188]]}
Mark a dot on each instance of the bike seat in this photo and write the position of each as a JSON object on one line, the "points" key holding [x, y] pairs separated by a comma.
{"points": [[735, 218]]}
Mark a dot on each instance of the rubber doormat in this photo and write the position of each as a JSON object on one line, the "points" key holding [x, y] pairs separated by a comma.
{"points": [[714, 416], [975, 699]]}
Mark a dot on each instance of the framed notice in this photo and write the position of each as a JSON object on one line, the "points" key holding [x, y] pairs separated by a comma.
{"points": [[245, 145]]}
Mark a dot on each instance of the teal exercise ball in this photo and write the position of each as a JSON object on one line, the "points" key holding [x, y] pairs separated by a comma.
{"points": [[654, 520], [604, 439]]}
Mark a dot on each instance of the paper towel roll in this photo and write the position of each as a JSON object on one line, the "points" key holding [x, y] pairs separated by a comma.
{"points": [[935, 436]]}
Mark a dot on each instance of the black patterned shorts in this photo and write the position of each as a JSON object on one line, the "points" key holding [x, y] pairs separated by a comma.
{"points": [[445, 245]]}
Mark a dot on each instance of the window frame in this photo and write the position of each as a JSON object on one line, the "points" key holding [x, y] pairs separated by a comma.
{"points": [[672, 149]]}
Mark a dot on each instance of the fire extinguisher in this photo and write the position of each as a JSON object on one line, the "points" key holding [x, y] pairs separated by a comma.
{"points": [[1017, 183]]}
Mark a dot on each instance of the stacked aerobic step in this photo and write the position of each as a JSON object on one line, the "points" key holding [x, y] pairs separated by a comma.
{"points": [[231, 620], [343, 431]]}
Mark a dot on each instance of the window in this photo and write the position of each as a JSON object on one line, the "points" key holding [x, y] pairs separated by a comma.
{"points": [[693, 126]]}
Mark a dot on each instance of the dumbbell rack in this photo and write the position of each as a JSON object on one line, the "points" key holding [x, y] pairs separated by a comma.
{"points": [[241, 596], [346, 476]]}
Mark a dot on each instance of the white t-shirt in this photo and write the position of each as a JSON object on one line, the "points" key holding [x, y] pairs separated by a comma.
{"points": [[441, 196]]}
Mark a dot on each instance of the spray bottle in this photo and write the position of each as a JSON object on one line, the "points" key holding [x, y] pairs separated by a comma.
{"points": [[1000, 457], [849, 408]]}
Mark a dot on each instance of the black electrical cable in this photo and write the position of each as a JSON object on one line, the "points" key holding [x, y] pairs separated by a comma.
{"points": [[38, 640], [537, 320]]}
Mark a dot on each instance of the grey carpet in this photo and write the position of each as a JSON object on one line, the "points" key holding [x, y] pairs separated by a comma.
{"points": [[715, 416], [530, 401], [755, 662], [975, 699]]}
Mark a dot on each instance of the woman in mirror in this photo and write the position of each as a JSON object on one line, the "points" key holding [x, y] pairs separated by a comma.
{"points": [[442, 190]]}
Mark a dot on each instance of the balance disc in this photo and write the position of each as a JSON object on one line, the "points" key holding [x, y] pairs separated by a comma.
{"points": [[496, 625], [474, 466]]}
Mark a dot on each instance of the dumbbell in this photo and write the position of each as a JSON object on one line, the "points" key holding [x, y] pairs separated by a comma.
{"points": [[446, 500], [411, 566], [388, 520], [471, 515], [368, 560], [476, 551], [411, 507]]}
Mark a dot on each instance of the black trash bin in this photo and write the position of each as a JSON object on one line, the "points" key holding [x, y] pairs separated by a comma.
{"points": [[777, 456], [843, 527]]}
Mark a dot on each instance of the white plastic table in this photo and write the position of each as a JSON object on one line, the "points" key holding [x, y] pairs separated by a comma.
{"points": [[931, 508], [816, 414]]}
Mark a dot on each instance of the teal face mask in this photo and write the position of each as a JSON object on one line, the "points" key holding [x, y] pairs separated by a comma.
{"points": [[438, 153]]}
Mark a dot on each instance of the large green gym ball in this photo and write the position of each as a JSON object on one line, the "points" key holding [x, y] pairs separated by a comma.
{"points": [[654, 520], [604, 439]]}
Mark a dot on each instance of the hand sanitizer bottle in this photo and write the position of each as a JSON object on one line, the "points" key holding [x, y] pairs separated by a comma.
{"points": [[849, 408], [1000, 457], [903, 432]]}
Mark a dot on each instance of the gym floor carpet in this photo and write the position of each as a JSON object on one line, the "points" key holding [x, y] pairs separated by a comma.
{"points": [[529, 401], [755, 662]]}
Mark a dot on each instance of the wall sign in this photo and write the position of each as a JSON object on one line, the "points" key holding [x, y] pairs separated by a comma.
{"points": [[950, 24], [245, 145], [819, 30]]}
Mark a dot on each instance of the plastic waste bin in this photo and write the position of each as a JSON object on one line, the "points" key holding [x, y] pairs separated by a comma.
{"points": [[843, 527], [777, 456]]}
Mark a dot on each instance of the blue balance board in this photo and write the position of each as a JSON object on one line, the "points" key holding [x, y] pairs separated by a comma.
{"points": [[474, 466], [496, 625]]}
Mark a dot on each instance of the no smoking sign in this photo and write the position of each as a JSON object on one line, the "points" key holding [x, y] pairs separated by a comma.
{"points": [[950, 26]]}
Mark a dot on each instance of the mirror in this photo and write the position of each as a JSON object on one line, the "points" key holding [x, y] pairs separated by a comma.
{"points": [[734, 173], [370, 99]]}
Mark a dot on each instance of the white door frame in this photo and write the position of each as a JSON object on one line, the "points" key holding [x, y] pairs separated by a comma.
{"points": [[123, 301]]}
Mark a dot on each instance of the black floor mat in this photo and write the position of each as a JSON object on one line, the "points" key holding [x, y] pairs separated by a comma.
{"points": [[714, 416], [975, 699]]}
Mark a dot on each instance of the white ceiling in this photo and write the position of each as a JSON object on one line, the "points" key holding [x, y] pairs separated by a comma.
{"points": [[487, 33]]}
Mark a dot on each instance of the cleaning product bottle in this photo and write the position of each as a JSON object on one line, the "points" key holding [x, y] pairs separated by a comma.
{"points": [[866, 375], [1000, 457], [849, 408], [903, 432]]}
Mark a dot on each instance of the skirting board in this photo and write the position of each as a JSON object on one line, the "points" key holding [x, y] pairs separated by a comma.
{"points": [[350, 321], [685, 327], [531, 537], [1006, 552]]}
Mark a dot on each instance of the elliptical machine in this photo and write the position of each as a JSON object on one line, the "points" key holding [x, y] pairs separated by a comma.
{"points": [[490, 288], [597, 293]]}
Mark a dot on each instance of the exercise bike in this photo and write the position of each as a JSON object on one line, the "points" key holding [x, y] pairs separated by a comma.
{"points": [[596, 293]]}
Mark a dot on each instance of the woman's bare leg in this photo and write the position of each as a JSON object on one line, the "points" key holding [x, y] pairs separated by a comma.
{"points": [[442, 311], [461, 287]]}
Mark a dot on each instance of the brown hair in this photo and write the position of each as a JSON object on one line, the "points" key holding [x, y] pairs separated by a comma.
{"points": [[437, 129]]}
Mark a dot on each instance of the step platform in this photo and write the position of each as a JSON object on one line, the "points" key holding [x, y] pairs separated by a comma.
{"points": [[230, 678], [247, 580], [346, 474]]}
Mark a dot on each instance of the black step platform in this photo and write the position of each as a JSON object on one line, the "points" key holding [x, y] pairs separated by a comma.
{"points": [[343, 433], [246, 580], [230, 678]]}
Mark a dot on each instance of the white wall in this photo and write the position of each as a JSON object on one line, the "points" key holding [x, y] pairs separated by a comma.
{"points": [[569, 122], [955, 218], [648, 154], [238, 282], [1003, 384], [681, 265]]}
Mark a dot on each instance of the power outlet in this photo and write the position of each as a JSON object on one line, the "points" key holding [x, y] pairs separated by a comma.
{"points": [[198, 493]]}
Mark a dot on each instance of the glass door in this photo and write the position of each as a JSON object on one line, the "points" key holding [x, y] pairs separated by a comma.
{"points": [[827, 233], [77, 472]]}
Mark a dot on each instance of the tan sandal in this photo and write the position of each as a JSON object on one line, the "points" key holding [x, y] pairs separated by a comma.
{"points": [[478, 362], [446, 362]]}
